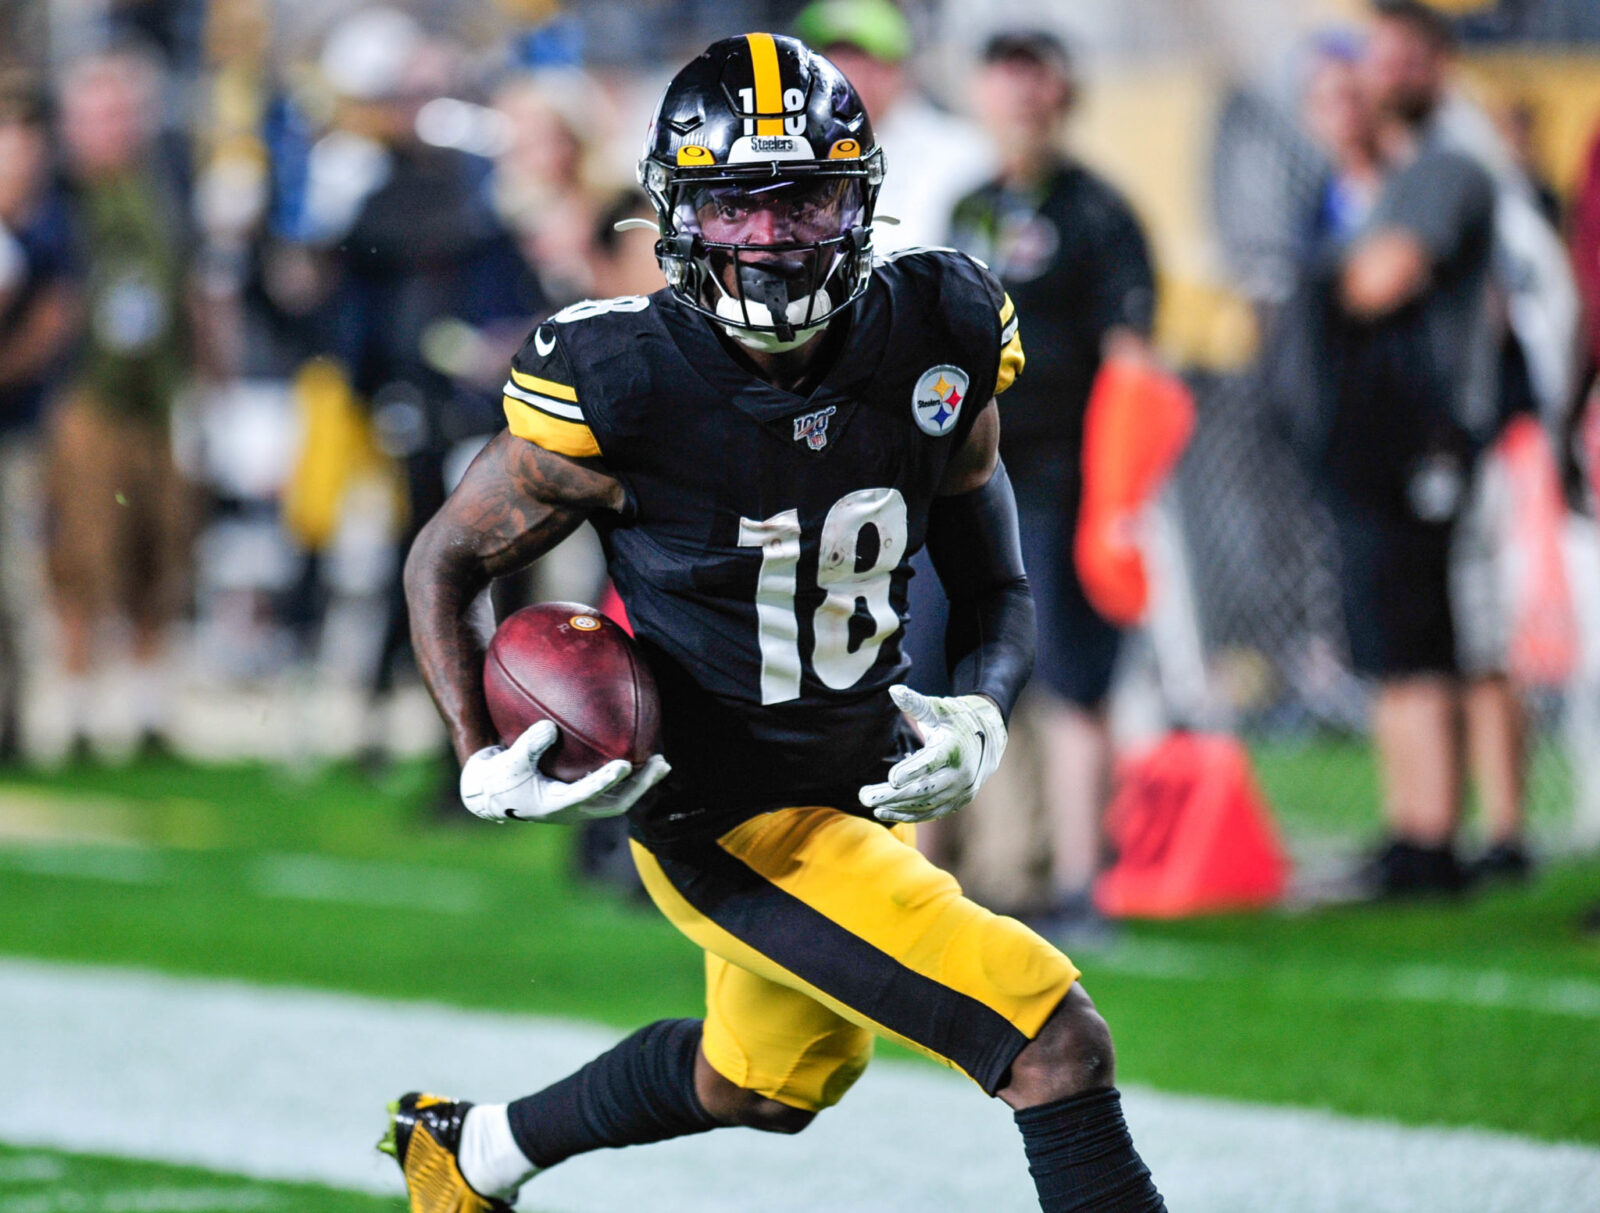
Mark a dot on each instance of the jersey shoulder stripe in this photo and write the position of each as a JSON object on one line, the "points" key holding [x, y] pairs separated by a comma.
{"points": [[552, 433], [541, 398], [547, 388], [1012, 358], [1008, 320]]}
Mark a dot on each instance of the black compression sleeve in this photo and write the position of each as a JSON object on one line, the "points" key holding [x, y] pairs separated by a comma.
{"points": [[640, 1091], [975, 548], [1082, 1159]]}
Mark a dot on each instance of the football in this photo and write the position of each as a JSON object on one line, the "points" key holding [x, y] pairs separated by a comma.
{"points": [[567, 663]]}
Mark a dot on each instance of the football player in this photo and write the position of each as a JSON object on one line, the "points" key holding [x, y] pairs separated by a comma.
{"points": [[763, 446]]}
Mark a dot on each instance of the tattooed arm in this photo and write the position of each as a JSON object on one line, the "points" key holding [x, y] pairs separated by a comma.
{"points": [[516, 502]]}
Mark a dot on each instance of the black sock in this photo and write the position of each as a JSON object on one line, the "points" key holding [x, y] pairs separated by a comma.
{"points": [[640, 1091], [1082, 1159]]}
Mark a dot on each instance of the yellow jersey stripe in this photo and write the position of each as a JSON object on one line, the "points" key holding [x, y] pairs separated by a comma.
{"points": [[1007, 310], [1012, 360], [966, 962], [708, 935], [548, 387], [553, 434], [546, 404], [769, 83]]}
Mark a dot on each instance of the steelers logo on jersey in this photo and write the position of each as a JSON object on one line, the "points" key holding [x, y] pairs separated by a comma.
{"points": [[937, 399]]}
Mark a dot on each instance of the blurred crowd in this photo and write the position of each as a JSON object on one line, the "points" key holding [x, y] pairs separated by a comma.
{"points": [[1430, 371], [238, 290], [260, 276]]}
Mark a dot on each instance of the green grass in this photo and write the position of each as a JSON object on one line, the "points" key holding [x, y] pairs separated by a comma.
{"points": [[46, 1181], [1302, 1009], [534, 941], [1319, 1009], [1327, 787]]}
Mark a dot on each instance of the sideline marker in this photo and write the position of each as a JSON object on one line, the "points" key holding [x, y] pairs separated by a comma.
{"points": [[1192, 832]]}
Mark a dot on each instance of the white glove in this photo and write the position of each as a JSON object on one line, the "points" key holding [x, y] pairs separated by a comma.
{"points": [[504, 783], [963, 738]]}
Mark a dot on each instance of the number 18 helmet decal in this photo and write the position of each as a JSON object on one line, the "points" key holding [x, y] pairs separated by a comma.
{"points": [[764, 173]]}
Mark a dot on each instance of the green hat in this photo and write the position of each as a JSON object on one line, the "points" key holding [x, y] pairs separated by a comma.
{"points": [[874, 26]]}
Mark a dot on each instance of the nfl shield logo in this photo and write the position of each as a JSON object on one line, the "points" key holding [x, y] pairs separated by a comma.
{"points": [[813, 427]]}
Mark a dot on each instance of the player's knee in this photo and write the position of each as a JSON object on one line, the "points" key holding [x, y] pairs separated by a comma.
{"points": [[753, 1111], [770, 1116], [1072, 1054], [731, 1104]]}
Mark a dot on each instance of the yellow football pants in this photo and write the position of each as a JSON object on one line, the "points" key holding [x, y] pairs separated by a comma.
{"points": [[822, 929]]}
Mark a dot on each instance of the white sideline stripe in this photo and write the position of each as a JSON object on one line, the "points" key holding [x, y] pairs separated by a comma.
{"points": [[144, 1200], [31, 1169], [1426, 983], [278, 876], [114, 864], [362, 882], [1438, 985], [290, 1084]]}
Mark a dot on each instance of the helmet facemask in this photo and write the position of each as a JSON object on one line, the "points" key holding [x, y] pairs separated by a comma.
{"points": [[771, 252]]}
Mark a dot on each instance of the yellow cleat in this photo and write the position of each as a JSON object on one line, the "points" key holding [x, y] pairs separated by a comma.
{"points": [[423, 1137]]}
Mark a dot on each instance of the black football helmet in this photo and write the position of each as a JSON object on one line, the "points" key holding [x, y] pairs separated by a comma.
{"points": [[764, 173]]}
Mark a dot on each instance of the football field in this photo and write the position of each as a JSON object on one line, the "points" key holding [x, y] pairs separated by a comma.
{"points": [[212, 979]]}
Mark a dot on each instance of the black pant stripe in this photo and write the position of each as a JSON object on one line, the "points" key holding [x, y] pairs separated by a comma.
{"points": [[977, 1038]]}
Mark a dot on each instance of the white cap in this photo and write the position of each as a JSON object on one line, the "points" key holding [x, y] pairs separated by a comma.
{"points": [[366, 56]]}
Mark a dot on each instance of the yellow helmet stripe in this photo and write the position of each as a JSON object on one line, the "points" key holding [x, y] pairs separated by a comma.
{"points": [[769, 83]]}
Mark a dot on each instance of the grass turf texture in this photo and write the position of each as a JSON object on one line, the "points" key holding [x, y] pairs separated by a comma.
{"points": [[243, 869], [46, 1181], [1326, 788]]}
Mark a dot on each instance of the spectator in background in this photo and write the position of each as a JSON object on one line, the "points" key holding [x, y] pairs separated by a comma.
{"points": [[1410, 64], [39, 315], [1412, 364], [544, 185], [173, 27], [119, 508], [1338, 116], [1585, 239], [1073, 258], [934, 157], [428, 289], [1520, 125], [1530, 340]]}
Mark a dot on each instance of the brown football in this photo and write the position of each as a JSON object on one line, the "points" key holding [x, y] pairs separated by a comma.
{"points": [[567, 663]]}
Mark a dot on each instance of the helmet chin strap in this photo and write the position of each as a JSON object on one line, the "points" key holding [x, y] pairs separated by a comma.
{"points": [[769, 340], [778, 332]]}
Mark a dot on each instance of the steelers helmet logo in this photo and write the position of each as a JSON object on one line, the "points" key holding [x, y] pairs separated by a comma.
{"points": [[937, 399], [584, 623]]}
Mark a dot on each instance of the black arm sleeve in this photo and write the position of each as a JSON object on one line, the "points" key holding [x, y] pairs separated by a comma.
{"points": [[975, 548]]}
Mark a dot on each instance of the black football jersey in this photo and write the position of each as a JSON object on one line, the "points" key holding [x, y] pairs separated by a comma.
{"points": [[764, 551]]}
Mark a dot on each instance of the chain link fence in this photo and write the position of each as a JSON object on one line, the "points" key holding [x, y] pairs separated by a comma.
{"points": [[1259, 557]]}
